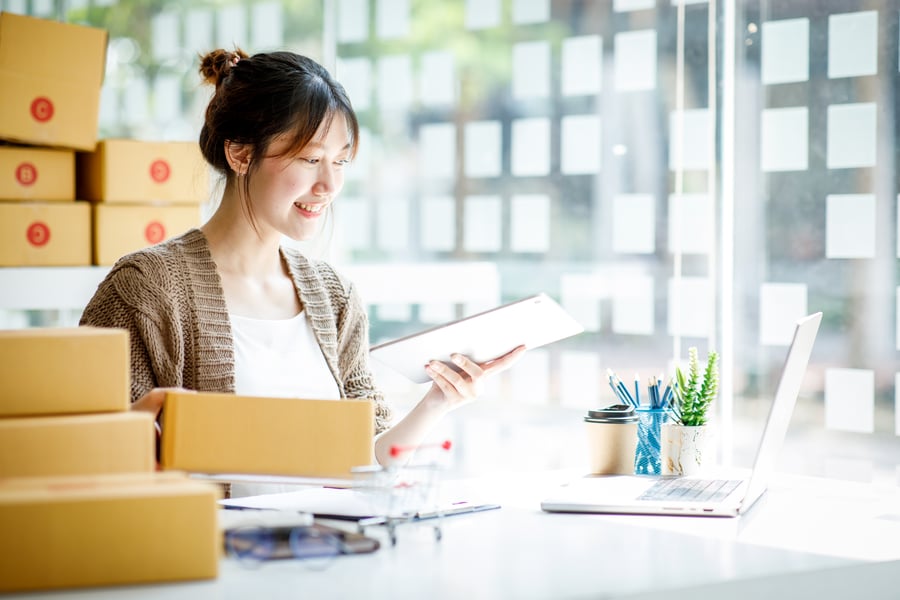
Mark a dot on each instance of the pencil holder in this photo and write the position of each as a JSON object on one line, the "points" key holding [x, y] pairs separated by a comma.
{"points": [[646, 455]]}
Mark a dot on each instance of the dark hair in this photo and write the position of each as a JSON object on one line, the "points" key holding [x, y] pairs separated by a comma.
{"points": [[265, 95]]}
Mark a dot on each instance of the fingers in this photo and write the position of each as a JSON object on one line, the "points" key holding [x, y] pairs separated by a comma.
{"points": [[504, 362]]}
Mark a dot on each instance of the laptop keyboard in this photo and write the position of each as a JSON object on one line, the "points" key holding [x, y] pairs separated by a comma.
{"points": [[690, 490]]}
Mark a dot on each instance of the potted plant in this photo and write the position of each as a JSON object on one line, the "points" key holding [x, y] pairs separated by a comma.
{"points": [[686, 441]]}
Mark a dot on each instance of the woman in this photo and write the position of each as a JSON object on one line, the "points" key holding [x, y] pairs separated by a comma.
{"points": [[226, 308]]}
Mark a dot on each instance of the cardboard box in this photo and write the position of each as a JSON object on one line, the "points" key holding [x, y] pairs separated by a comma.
{"points": [[86, 444], [50, 74], [121, 228], [36, 174], [137, 171], [45, 234], [107, 530], [60, 370], [226, 433]]}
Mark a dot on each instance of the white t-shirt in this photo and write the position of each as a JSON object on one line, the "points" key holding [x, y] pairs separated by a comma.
{"points": [[278, 358]]}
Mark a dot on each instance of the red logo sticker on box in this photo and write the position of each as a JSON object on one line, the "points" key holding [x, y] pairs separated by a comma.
{"points": [[159, 170], [38, 234], [26, 173], [155, 232], [42, 109]]}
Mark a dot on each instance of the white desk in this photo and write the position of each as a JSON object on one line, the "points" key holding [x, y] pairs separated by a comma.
{"points": [[807, 539]]}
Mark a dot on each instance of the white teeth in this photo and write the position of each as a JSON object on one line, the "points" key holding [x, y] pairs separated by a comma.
{"points": [[313, 208]]}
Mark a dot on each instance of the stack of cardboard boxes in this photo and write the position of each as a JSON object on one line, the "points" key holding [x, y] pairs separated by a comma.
{"points": [[81, 503], [51, 163]]}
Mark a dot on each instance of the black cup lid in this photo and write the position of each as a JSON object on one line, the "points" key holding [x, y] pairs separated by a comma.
{"points": [[615, 413]]}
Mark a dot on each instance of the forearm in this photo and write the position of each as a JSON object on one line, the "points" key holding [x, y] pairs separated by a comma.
{"points": [[412, 429]]}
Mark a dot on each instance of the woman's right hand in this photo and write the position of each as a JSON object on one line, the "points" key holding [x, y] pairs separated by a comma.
{"points": [[152, 401]]}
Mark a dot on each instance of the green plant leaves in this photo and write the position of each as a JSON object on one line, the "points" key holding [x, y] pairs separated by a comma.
{"points": [[693, 395]]}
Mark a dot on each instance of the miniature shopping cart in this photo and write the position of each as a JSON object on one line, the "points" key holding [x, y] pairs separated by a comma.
{"points": [[406, 490]]}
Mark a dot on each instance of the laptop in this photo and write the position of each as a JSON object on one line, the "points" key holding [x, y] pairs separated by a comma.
{"points": [[724, 495]]}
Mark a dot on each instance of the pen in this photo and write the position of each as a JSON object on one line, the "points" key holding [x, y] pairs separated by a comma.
{"points": [[637, 390]]}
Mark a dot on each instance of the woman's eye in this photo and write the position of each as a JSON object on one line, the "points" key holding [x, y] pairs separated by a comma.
{"points": [[310, 161], [342, 162]]}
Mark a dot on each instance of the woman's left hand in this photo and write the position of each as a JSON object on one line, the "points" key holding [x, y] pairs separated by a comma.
{"points": [[452, 388]]}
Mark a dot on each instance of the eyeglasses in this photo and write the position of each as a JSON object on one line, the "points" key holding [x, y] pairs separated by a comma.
{"points": [[251, 545]]}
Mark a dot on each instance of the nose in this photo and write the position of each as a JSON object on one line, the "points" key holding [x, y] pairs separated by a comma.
{"points": [[327, 180]]}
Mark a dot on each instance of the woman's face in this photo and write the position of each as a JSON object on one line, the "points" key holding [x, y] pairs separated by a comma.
{"points": [[290, 193]]}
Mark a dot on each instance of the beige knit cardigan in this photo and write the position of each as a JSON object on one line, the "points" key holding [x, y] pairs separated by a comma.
{"points": [[169, 298]]}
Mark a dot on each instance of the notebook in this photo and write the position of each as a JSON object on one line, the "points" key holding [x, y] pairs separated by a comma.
{"points": [[533, 321], [727, 494]]}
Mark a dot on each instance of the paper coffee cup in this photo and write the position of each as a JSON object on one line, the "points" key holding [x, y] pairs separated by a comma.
{"points": [[611, 440]]}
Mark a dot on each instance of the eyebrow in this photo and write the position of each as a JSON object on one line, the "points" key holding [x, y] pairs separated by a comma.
{"points": [[319, 145]]}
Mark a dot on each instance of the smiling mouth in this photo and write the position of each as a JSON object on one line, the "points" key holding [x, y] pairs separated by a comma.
{"points": [[310, 208]]}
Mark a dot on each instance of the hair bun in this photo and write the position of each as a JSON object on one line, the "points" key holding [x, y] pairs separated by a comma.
{"points": [[216, 65]]}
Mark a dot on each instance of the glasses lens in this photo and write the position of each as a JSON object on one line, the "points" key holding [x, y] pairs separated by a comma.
{"points": [[307, 542], [251, 544]]}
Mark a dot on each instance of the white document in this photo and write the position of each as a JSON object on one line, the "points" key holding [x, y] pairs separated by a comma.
{"points": [[530, 322]]}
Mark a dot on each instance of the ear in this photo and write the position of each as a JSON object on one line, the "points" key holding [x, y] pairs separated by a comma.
{"points": [[238, 157]]}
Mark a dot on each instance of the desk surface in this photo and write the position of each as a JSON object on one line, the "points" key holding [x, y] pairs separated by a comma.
{"points": [[805, 539]]}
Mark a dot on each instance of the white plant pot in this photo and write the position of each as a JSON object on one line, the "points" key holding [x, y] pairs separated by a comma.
{"points": [[686, 450]]}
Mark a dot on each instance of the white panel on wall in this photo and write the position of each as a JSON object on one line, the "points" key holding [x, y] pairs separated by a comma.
{"points": [[690, 223], [530, 11], [629, 5], [853, 44], [898, 226], [582, 64], [42, 8], [851, 135], [784, 139], [438, 225], [437, 82], [482, 14], [167, 98], [579, 383], [392, 19], [633, 305], [580, 145], [531, 70], [850, 226], [395, 83], [135, 98], [393, 223], [437, 152], [580, 295], [634, 224], [483, 224], [897, 318], [850, 400], [198, 30], [529, 223], [355, 74], [164, 40], [897, 396], [231, 26], [109, 105], [482, 147], [353, 219], [267, 26], [781, 305], [530, 378], [437, 312], [690, 307], [635, 60], [531, 146], [785, 51], [695, 152], [394, 311], [352, 20], [16, 6]]}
